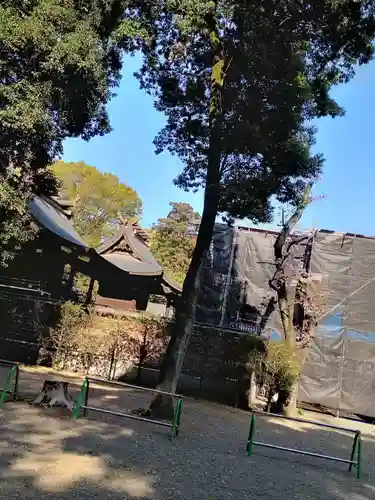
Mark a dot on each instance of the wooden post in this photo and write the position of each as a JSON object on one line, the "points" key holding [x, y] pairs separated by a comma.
{"points": [[89, 291], [70, 281], [168, 308]]}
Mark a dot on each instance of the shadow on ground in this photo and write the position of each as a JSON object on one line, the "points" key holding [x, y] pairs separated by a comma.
{"points": [[44, 454]]}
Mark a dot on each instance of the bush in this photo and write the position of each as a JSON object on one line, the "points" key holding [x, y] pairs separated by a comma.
{"points": [[84, 341], [278, 369], [69, 333], [282, 365]]}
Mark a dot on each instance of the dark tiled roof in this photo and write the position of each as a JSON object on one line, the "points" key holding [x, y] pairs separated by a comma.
{"points": [[139, 260], [47, 213], [111, 241]]}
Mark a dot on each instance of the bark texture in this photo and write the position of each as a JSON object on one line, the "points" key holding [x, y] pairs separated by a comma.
{"points": [[54, 393], [281, 283], [185, 313]]}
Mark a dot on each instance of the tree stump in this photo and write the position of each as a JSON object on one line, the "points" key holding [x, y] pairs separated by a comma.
{"points": [[54, 393]]}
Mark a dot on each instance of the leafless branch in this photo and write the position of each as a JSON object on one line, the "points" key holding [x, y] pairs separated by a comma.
{"points": [[290, 224], [284, 21], [282, 253]]}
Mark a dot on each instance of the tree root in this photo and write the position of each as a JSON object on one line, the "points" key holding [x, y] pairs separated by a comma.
{"points": [[161, 408], [54, 393]]}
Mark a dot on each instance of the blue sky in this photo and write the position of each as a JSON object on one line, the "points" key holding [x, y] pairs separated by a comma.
{"points": [[347, 143]]}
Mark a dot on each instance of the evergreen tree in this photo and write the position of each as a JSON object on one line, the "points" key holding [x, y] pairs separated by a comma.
{"points": [[59, 63], [238, 81], [173, 239], [100, 201]]}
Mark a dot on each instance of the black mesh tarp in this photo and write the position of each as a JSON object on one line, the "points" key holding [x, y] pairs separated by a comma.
{"points": [[339, 371], [234, 291]]}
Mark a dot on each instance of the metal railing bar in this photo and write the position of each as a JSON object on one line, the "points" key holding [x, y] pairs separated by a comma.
{"points": [[124, 384], [125, 415], [8, 384], [304, 421], [6, 362], [304, 452]]}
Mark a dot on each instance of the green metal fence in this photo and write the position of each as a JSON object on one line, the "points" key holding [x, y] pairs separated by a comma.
{"points": [[82, 404], [355, 455], [11, 383]]}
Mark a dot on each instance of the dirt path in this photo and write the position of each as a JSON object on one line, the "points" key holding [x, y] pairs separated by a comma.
{"points": [[44, 454]]}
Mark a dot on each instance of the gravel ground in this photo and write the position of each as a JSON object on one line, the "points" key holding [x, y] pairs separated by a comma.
{"points": [[45, 455]]}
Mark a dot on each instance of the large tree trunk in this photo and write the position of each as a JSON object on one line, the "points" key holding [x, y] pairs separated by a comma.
{"points": [[162, 406], [287, 401], [286, 308]]}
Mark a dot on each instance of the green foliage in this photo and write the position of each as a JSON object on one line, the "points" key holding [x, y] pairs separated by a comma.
{"points": [[14, 221], [157, 299], [271, 85], [173, 239], [63, 338], [59, 62], [85, 341], [100, 200], [239, 83], [282, 365], [72, 317], [153, 339], [279, 368], [81, 287]]}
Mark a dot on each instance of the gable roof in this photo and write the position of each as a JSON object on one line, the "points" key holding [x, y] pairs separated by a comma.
{"points": [[51, 216], [115, 239], [128, 250]]}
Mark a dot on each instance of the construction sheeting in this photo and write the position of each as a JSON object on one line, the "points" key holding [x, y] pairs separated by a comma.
{"points": [[214, 281], [339, 372], [340, 368], [234, 291]]}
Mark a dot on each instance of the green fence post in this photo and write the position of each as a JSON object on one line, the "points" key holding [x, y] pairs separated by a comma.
{"points": [[251, 436], [86, 402], [16, 383], [359, 457], [177, 418], [79, 402], [179, 405], [354, 448], [8, 382]]}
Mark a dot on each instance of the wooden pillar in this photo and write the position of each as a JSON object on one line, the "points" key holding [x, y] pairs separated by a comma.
{"points": [[168, 308], [89, 291], [141, 301], [70, 281]]}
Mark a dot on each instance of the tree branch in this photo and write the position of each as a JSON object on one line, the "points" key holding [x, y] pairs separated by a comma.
{"points": [[289, 225], [224, 163], [279, 283]]}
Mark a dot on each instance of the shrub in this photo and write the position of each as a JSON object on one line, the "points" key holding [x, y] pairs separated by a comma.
{"points": [[279, 369], [63, 339], [83, 340], [282, 365]]}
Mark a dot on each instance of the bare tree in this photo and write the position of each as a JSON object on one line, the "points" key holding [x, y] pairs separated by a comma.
{"points": [[300, 294]]}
